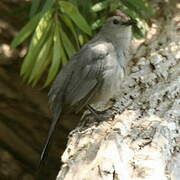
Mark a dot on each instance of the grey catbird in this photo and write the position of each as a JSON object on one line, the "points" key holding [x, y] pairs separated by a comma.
{"points": [[93, 74]]}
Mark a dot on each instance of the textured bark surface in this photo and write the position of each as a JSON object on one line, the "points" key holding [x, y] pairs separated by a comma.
{"points": [[142, 140]]}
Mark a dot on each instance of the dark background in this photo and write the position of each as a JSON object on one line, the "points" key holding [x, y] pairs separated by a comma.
{"points": [[24, 111]]}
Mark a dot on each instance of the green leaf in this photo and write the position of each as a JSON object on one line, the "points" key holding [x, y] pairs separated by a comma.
{"points": [[85, 9], [96, 24], [36, 3], [70, 25], [32, 55], [67, 44], [56, 56], [81, 38], [62, 50], [114, 4], [34, 7], [72, 11], [48, 4], [143, 7], [140, 7], [37, 42], [64, 57], [26, 30], [42, 61], [43, 24], [99, 6], [43, 68]]}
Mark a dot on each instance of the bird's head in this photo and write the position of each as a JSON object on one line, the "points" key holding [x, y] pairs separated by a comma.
{"points": [[118, 25]]}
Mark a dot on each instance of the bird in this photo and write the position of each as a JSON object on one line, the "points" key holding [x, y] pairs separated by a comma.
{"points": [[94, 74]]}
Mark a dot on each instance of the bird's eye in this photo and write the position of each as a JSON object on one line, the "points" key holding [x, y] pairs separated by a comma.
{"points": [[115, 21]]}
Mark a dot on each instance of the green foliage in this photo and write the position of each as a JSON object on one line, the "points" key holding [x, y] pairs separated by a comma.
{"points": [[72, 11], [26, 30], [58, 28]]}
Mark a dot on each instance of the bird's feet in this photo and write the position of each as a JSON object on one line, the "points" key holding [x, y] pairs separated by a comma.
{"points": [[100, 115]]}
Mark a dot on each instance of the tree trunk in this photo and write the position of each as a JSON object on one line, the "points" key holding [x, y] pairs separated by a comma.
{"points": [[141, 140]]}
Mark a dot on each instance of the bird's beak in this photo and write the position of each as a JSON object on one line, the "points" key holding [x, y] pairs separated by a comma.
{"points": [[130, 22]]}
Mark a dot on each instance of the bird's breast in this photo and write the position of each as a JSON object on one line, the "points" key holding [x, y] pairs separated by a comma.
{"points": [[111, 81]]}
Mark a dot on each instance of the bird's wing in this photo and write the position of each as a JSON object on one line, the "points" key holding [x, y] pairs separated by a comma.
{"points": [[81, 77]]}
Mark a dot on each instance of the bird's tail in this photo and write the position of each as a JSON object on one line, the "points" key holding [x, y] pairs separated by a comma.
{"points": [[49, 137]]}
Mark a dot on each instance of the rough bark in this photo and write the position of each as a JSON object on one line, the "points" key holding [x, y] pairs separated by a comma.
{"points": [[141, 140]]}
